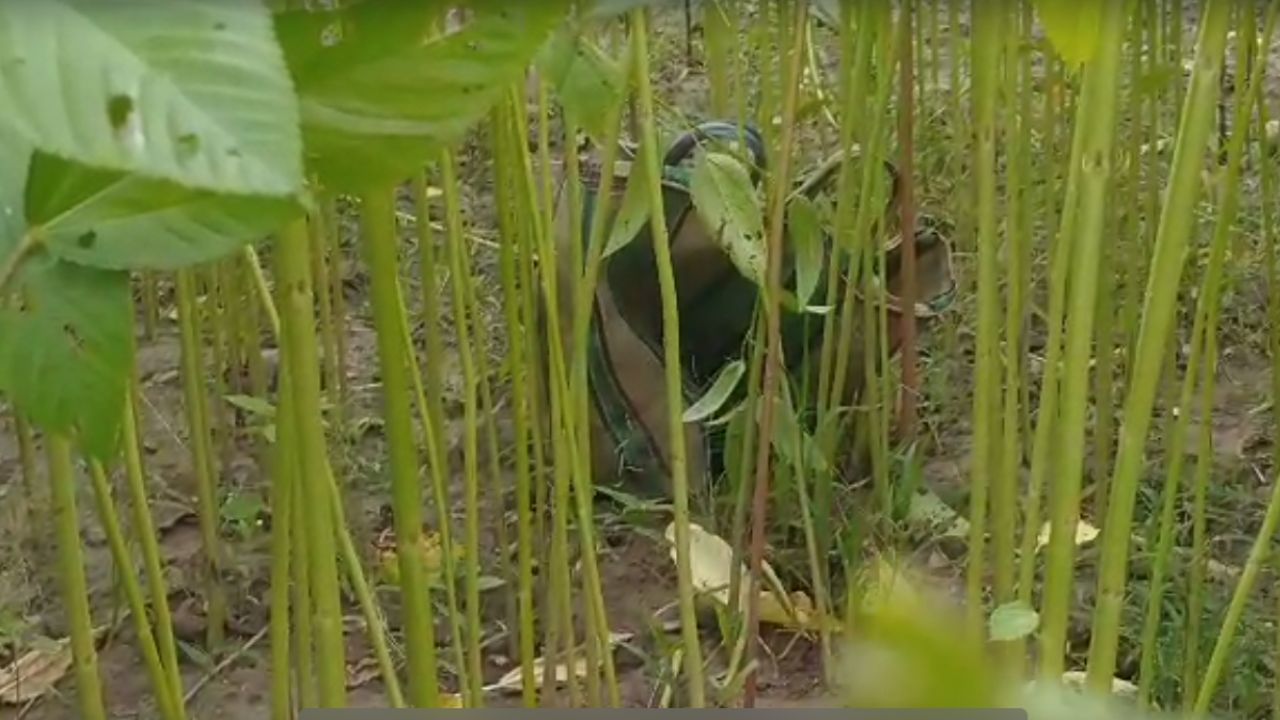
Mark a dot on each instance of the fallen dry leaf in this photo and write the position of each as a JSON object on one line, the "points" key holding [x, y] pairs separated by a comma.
{"points": [[1085, 533], [35, 673], [362, 672], [711, 559], [513, 681], [1119, 686]]}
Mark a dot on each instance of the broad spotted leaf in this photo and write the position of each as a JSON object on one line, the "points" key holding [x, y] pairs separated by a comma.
{"points": [[727, 202], [1073, 26], [191, 91], [588, 82], [115, 220], [375, 109], [65, 352]]}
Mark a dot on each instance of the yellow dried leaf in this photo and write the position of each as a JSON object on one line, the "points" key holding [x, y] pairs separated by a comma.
{"points": [[1085, 533], [35, 673], [513, 681]]}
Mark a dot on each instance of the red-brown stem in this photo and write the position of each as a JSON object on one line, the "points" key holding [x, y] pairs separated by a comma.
{"points": [[772, 361], [907, 210]]}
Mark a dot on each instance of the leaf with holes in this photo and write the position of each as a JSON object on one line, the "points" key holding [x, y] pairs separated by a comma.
{"points": [[1072, 26], [388, 106], [192, 91], [115, 220], [806, 238], [715, 396], [727, 202], [588, 82], [65, 352]]}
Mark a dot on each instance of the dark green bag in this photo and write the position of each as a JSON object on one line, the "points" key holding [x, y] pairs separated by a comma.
{"points": [[630, 439]]}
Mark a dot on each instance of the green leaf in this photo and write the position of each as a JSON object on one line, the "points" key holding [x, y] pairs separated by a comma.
{"points": [[715, 396], [375, 107], [15, 157], [806, 238], [1012, 621], [115, 220], [1073, 26], [633, 213], [65, 352], [727, 201], [588, 82], [252, 405], [191, 91]]}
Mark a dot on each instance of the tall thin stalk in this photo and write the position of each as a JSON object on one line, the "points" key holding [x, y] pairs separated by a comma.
{"points": [[457, 246], [1004, 497], [987, 24], [1097, 113], [379, 240], [300, 361], [1211, 297], [776, 210], [1157, 322], [284, 480], [203, 463], [144, 527], [168, 697], [75, 590], [671, 362]]}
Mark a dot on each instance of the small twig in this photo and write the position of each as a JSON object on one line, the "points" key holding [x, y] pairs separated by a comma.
{"points": [[224, 664]]}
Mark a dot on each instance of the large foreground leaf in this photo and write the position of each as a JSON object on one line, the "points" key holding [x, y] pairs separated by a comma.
{"points": [[117, 220], [65, 350], [376, 106], [192, 91]]}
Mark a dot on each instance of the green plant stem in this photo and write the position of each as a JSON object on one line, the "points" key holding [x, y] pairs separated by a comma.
{"points": [[431, 410], [284, 480], [307, 692], [144, 527], [517, 333], [456, 248], [379, 241], [168, 699], [779, 189], [300, 361], [1097, 112], [986, 58], [672, 364], [203, 463], [1157, 321], [1004, 500], [75, 590]]}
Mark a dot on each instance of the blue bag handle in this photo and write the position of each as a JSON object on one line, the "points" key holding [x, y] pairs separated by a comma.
{"points": [[684, 145]]}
